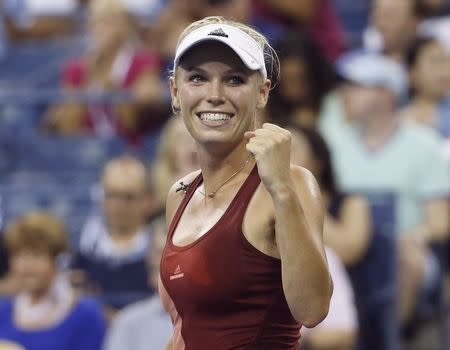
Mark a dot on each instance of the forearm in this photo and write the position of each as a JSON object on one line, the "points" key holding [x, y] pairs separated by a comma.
{"points": [[334, 239], [348, 247], [306, 281], [436, 226]]}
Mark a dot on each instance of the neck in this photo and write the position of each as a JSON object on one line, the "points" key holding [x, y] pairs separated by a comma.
{"points": [[216, 169], [378, 128]]}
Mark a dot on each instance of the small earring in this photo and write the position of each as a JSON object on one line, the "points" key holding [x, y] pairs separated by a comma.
{"points": [[175, 109]]}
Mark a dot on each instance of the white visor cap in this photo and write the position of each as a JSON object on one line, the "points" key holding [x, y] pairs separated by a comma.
{"points": [[240, 42]]}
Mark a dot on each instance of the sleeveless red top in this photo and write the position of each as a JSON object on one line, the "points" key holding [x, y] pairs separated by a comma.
{"points": [[223, 293]]}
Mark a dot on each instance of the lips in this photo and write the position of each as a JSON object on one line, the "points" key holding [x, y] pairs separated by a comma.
{"points": [[214, 118]]}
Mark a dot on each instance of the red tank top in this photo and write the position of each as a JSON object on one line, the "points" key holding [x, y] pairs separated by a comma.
{"points": [[221, 291]]}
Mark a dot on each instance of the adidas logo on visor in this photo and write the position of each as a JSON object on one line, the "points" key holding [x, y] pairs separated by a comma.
{"points": [[219, 32]]}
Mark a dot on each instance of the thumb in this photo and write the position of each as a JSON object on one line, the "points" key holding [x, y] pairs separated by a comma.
{"points": [[249, 134]]}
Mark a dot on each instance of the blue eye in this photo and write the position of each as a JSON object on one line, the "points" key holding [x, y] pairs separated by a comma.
{"points": [[236, 80], [196, 78]]}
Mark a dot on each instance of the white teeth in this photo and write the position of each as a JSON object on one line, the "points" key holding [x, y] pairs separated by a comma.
{"points": [[214, 116]]}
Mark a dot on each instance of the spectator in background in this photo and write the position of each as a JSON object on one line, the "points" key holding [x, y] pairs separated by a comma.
{"points": [[394, 26], [305, 79], [111, 257], [316, 17], [40, 19], [347, 227], [429, 71], [173, 161], [164, 33], [114, 62], [372, 151], [346, 236], [144, 325], [46, 313], [339, 330]]}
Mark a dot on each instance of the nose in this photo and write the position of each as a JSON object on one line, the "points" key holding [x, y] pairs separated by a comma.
{"points": [[216, 95]]}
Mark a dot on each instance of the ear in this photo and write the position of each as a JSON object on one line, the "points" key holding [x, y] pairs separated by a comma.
{"points": [[263, 95], [174, 93]]}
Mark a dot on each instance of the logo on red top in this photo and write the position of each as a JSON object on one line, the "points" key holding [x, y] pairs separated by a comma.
{"points": [[177, 273]]}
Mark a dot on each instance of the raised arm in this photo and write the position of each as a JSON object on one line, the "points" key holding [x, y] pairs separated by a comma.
{"points": [[299, 216], [298, 227]]}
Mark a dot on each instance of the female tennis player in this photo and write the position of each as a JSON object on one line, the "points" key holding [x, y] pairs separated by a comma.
{"points": [[244, 265]]}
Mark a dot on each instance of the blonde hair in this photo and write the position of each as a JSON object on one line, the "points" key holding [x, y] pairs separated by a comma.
{"points": [[37, 231], [270, 56]]}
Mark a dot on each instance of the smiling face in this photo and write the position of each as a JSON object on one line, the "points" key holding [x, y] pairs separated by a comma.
{"points": [[127, 199], [218, 95]]}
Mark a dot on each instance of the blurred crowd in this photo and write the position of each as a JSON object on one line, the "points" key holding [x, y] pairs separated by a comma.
{"points": [[90, 145]]}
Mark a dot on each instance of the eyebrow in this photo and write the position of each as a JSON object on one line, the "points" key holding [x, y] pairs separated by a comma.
{"points": [[195, 69], [246, 72]]}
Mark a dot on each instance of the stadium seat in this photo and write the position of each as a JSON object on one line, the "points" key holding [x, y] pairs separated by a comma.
{"points": [[38, 64], [65, 155], [72, 204]]}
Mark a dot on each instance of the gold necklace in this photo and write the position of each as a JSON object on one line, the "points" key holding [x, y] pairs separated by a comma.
{"points": [[212, 194]]}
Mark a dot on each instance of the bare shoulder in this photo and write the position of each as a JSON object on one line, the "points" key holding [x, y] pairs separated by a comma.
{"points": [[305, 181], [175, 197]]}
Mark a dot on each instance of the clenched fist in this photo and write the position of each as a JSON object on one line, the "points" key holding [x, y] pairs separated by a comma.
{"points": [[271, 147]]}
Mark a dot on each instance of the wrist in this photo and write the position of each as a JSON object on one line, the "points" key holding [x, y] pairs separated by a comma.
{"points": [[282, 191]]}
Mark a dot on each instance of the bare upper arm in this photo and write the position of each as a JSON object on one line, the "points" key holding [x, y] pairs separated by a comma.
{"points": [[310, 198]]}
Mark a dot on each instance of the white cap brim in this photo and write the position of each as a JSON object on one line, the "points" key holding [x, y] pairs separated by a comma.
{"points": [[240, 42]]}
